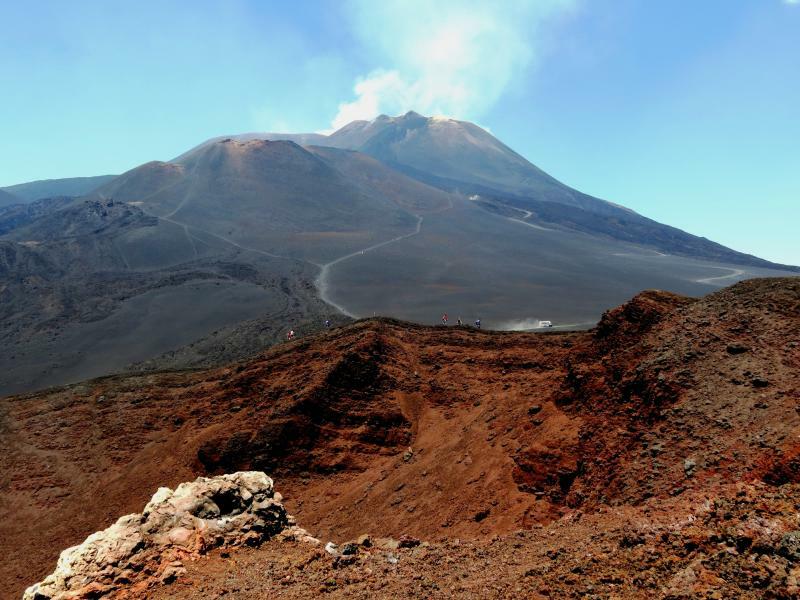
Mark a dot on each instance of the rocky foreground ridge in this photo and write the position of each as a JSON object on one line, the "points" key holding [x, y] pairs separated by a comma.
{"points": [[206, 540], [144, 548], [677, 417]]}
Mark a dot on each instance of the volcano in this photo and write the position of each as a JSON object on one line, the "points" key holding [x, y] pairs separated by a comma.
{"points": [[408, 217]]}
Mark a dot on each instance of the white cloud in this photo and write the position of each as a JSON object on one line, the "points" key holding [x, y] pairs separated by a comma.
{"points": [[455, 57]]}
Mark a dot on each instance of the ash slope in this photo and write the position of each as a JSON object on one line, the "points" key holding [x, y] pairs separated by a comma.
{"points": [[89, 286], [388, 244], [277, 197], [668, 398], [460, 156]]}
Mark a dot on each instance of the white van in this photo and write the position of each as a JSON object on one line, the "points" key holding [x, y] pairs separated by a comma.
{"points": [[545, 324]]}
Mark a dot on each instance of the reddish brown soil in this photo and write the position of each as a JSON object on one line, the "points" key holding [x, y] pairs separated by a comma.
{"points": [[732, 546], [389, 428]]}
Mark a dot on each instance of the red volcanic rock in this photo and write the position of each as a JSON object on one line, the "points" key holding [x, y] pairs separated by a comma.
{"points": [[389, 428]]}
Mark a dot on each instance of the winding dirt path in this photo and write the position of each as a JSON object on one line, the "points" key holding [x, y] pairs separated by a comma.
{"points": [[186, 196], [526, 215], [322, 280], [712, 280], [230, 241]]}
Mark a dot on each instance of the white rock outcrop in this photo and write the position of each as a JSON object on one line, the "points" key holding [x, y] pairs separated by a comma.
{"points": [[141, 549]]}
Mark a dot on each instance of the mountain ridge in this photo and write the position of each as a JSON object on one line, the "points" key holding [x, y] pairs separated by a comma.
{"points": [[8, 199], [457, 156], [47, 188], [460, 157]]}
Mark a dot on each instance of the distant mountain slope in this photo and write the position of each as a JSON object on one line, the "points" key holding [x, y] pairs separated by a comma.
{"points": [[83, 218], [19, 261], [453, 153], [459, 156], [377, 179], [278, 197], [7, 199], [47, 188], [170, 253], [443, 152], [629, 227], [15, 216], [144, 181], [90, 285]]}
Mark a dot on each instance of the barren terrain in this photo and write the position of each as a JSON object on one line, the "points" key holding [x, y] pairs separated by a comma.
{"points": [[739, 542], [445, 434]]}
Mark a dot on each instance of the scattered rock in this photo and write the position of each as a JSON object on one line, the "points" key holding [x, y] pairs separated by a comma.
{"points": [[481, 515], [406, 541], [689, 466], [389, 544], [349, 549], [172, 572], [656, 448], [332, 549], [790, 546], [344, 561], [736, 349], [631, 539]]}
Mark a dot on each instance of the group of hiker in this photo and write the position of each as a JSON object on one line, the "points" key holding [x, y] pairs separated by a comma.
{"points": [[459, 322]]}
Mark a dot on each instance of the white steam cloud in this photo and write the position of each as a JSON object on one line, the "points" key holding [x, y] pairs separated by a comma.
{"points": [[519, 325], [455, 57]]}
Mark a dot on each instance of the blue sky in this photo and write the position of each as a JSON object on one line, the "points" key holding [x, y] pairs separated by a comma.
{"points": [[686, 111]]}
